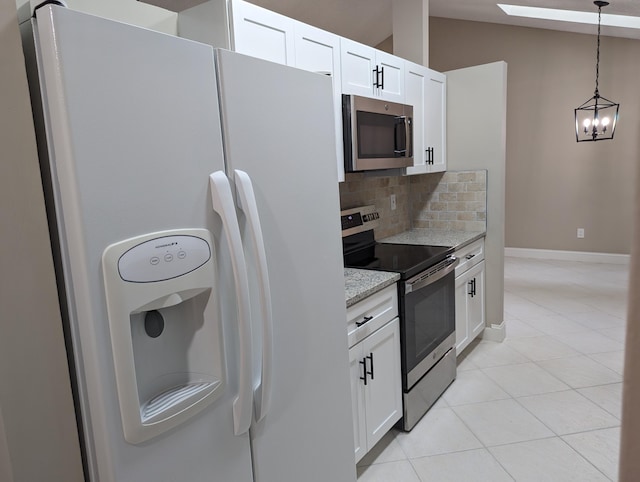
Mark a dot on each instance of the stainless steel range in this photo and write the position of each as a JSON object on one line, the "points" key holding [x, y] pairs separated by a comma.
{"points": [[427, 307]]}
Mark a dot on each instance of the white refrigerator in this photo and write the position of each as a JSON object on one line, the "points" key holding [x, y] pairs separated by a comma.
{"points": [[193, 202]]}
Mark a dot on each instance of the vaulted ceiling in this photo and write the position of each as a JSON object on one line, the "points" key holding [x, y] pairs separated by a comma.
{"points": [[370, 21]]}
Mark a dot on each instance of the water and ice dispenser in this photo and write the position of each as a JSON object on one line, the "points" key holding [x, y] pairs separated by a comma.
{"points": [[165, 334]]}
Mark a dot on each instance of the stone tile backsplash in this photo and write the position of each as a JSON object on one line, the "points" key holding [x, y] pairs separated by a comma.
{"points": [[454, 200], [359, 189]]}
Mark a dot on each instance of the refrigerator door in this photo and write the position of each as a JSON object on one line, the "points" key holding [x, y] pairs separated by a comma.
{"points": [[133, 128], [278, 128]]}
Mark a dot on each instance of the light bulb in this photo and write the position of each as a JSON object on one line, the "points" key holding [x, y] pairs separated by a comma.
{"points": [[587, 122], [596, 121], [605, 121]]}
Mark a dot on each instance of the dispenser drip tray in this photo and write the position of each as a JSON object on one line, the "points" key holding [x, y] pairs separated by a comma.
{"points": [[174, 400]]}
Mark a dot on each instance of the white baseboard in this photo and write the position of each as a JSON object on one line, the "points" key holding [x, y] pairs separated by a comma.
{"points": [[495, 332], [568, 255]]}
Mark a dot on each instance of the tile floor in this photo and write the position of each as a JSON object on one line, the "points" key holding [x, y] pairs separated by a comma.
{"points": [[544, 405]]}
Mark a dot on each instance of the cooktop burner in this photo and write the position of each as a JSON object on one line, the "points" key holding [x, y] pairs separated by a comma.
{"points": [[362, 251], [406, 259]]}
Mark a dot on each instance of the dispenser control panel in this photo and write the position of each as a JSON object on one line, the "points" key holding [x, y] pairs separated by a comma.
{"points": [[163, 258]]}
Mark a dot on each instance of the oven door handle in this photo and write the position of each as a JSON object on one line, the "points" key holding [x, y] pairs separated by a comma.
{"points": [[420, 282]]}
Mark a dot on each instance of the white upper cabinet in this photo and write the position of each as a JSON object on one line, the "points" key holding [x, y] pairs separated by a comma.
{"points": [[370, 72], [425, 90], [316, 50], [391, 83], [415, 78], [436, 120], [261, 33], [319, 51], [354, 67]]}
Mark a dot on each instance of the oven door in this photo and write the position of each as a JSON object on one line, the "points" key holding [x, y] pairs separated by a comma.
{"points": [[427, 306]]}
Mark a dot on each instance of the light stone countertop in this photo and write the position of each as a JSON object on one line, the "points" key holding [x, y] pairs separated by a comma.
{"points": [[434, 237], [360, 283]]}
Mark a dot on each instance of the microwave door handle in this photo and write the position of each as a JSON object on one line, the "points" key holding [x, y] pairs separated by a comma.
{"points": [[400, 120], [408, 122]]}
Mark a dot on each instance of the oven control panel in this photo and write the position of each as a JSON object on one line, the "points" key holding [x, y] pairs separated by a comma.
{"points": [[357, 220]]}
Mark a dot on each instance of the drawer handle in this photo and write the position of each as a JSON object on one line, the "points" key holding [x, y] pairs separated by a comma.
{"points": [[365, 320], [469, 256]]}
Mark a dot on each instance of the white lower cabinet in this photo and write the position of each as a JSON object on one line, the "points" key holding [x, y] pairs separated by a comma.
{"points": [[376, 388], [469, 296]]}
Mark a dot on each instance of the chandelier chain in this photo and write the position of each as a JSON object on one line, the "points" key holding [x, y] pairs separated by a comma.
{"points": [[598, 53]]}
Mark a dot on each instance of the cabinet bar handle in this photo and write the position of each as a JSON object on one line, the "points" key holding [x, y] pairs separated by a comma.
{"points": [[470, 256], [382, 75], [472, 287], [365, 320], [370, 357], [363, 362]]}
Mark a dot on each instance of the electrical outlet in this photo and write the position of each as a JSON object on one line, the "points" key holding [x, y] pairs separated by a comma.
{"points": [[580, 233], [393, 202]]}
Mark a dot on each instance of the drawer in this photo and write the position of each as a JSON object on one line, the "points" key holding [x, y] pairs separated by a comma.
{"points": [[469, 256], [371, 313]]}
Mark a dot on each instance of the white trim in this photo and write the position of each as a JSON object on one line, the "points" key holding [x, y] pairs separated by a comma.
{"points": [[495, 332], [568, 255]]}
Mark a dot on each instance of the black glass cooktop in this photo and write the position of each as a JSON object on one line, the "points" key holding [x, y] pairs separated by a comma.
{"points": [[406, 259]]}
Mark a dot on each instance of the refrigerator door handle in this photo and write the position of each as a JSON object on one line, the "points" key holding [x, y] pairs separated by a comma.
{"points": [[223, 204], [249, 206]]}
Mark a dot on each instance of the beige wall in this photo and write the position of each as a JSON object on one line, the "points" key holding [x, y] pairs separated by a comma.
{"points": [[411, 30], [555, 185], [35, 394]]}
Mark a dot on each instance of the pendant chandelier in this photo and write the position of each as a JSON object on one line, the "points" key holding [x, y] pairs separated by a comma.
{"points": [[596, 119]]}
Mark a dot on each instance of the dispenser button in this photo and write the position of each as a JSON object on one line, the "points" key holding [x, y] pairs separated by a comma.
{"points": [[182, 254], [155, 260], [168, 257]]}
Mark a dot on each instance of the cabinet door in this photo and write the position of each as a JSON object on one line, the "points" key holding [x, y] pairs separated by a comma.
{"points": [[436, 120], [261, 33], [415, 79], [383, 393], [476, 308], [319, 51], [461, 294], [392, 77], [358, 63], [357, 401]]}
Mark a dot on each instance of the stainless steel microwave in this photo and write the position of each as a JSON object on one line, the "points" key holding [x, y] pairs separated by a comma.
{"points": [[377, 134]]}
